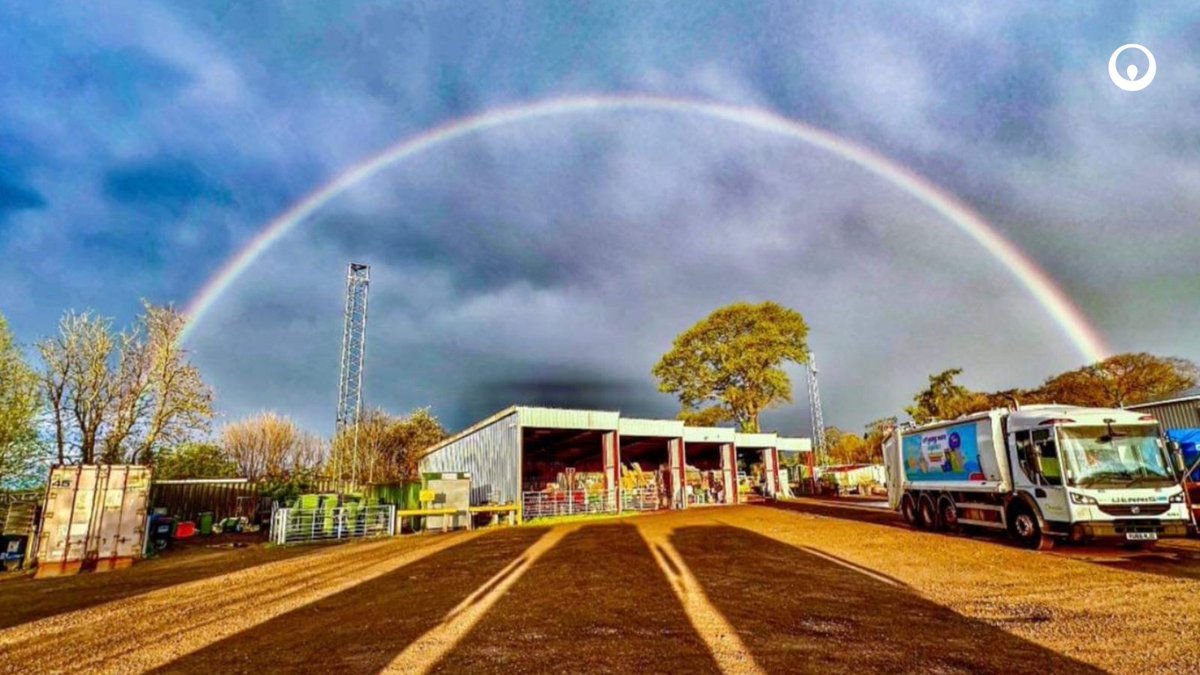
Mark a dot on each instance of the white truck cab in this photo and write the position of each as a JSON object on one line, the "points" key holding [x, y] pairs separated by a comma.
{"points": [[1095, 473]]}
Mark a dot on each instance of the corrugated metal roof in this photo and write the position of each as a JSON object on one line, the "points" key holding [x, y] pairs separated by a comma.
{"points": [[1192, 394], [755, 440], [794, 443], [633, 426], [708, 435], [561, 418]]}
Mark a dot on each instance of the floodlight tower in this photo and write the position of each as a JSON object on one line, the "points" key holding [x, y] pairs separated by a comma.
{"points": [[814, 409], [354, 345]]}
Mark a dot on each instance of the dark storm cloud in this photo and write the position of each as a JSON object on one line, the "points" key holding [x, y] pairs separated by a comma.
{"points": [[162, 181], [553, 261], [18, 198]]}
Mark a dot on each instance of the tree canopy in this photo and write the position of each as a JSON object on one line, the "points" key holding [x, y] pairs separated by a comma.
{"points": [[20, 447], [729, 366], [1121, 380]]}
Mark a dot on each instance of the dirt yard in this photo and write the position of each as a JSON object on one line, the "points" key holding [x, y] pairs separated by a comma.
{"points": [[805, 587]]}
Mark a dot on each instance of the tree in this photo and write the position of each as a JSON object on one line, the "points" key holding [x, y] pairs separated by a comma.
{"points": [[845, 448], [1120, 380], [270, 446], [194, 460], [117, 397], [20, 447], [732, 361], [945, 399], [384, 448]]}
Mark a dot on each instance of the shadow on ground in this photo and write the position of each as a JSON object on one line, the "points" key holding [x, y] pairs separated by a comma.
{"points": [[596, 602], [361, 629], [1176, 558], [798, 612], [27, 599]]}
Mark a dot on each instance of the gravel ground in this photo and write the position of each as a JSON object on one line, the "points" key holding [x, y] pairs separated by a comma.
{"points": [[812, 587]]}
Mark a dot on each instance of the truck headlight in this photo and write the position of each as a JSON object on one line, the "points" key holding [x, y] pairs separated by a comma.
{"points": [[1176, 498], [1082, 499]]}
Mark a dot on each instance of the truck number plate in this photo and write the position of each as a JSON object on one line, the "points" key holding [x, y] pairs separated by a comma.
{"points": [[1141, 536]]}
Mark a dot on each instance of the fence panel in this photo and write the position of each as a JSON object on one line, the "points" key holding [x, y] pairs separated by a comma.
{"points": [[567, 503], [302, 526]]}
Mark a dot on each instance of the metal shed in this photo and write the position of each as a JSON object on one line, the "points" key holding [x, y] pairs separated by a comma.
{"points": [[1179, 411], [551, 461]]}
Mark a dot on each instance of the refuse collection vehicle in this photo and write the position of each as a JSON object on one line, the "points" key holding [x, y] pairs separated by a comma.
{"points": [[1043, 473]]}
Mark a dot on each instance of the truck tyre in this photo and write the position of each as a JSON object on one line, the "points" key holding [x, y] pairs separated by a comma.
{"points": [[908, 509], [948, 515], [1026, 529], [929, 514]]}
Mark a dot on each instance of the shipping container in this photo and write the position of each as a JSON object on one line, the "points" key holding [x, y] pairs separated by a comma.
{"points": [[94, 517]]}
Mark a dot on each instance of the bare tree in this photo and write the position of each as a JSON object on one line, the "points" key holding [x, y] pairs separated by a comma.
{"points": [[384, 448], [271, 446], [122, 396]]}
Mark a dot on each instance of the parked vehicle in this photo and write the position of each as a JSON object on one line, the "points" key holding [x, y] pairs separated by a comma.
{"points": [[1043, 473]]}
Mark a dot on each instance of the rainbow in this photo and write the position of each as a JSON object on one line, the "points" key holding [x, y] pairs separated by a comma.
{"points": [[1086, 340]]}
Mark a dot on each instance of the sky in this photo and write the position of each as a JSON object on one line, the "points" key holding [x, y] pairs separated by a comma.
{"points": [[552, 261]]}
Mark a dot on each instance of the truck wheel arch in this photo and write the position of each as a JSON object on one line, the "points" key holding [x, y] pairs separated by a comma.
{"points": [[1024, 500]]}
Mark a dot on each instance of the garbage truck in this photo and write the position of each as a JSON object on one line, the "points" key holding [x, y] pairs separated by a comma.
{"points": [[1043, 473]]}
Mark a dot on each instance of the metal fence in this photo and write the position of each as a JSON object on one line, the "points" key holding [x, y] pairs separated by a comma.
{"points": [[567, 503], [643, 499], [302, 526]]}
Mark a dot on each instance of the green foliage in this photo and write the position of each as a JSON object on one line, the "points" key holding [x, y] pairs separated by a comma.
{"points": [[945, 399], [1124, 379], [194, 460], [21, 451], [733, 360]]}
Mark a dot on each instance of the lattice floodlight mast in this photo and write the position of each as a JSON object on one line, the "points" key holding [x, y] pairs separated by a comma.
{"points": [[814, 410], [354, 345]]}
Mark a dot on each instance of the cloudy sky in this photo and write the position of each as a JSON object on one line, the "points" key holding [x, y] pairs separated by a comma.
{"points": [[552, 261]]}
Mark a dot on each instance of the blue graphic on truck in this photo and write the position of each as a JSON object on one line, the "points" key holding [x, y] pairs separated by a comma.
{"points": [[947, 454]]}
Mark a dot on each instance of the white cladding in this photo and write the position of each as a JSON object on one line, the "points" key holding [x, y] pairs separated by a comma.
{"points": [[633, 426], [708, 435], [755, 440], [793, 444]]}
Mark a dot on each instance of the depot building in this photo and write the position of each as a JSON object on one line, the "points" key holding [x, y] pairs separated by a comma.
{"points": [[556, 462]]}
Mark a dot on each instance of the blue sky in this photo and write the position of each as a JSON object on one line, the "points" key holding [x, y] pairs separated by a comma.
{"points": [[141, 144]]}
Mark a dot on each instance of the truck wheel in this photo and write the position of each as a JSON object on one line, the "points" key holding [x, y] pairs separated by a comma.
{"points": [[929, 514], [948, 515], [908, 509], [1026, 529]]}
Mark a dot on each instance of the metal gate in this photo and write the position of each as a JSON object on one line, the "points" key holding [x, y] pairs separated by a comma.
{"points": [[303, 526]]}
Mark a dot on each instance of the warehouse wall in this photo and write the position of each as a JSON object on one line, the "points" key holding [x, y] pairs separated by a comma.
{"points": [[1181, 415], [491, 454]]}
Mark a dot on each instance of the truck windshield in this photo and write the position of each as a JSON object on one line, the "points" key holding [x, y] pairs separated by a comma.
{"points": [[1116, 456]]}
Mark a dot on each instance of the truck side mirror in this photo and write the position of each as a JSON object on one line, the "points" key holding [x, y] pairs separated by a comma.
{"points": [[1176, 453]]}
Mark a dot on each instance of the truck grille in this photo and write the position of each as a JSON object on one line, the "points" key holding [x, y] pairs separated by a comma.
{"points": [[1128, 509]]}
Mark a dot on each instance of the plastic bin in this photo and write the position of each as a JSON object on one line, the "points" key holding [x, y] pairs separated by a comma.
{"points": [[206, 523]]}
